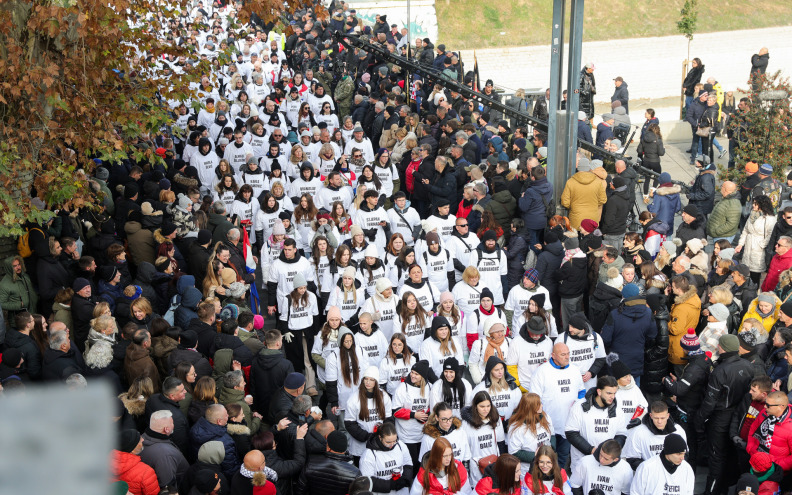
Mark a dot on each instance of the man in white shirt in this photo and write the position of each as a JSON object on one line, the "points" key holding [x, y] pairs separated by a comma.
{"points": [[668, 470], [559, 385], [647, 439], [603, 470], [460, 244]]}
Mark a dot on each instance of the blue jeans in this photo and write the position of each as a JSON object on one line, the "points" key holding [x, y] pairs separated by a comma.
{"points": [[688, 101], [562, 449], [536, 236]]}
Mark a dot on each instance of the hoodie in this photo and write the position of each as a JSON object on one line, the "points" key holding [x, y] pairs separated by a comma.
{"points": [[497, 143]]}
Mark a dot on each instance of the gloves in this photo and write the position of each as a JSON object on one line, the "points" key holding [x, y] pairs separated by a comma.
{"points": [[288, 336], [633, 423], [739, 442], [402, 482]]}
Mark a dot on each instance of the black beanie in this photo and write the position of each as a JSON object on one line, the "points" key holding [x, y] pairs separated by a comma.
{"points": [[130, 190], [674, 444], [486, 292], [422, 368], [129, 440], [620, 370], [578, 321], [337, 441]]}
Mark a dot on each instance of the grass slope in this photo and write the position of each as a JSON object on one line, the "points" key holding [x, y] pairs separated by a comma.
{"points": [[467, 24]]}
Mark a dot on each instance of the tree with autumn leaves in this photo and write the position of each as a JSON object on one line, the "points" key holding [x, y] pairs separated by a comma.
{"points": [[69, 92]]}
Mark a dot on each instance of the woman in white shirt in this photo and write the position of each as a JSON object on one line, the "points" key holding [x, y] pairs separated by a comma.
{"points": [[452, 388], [413, 321], [529, 429], [501, 387], [395, 366], [484, 430], [348, 295], [411, 407], [440, 346], [366, 411], [344, 368]]}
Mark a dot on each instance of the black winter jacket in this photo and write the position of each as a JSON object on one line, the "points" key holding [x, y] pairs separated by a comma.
{"points": [[267, 374], [240, 350], [614, 213], [329, 473], [702, 193], [572, 278], [727, 385], [656, 356], [689, 388], [288, 469], [692, 230], [181, 428], [547, 264], [58, 365], [604, 300], [443, 186]]}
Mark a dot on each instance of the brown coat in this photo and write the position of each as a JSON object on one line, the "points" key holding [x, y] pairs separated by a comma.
{"points": [[137, 362], [141, 243], [684, 314]]}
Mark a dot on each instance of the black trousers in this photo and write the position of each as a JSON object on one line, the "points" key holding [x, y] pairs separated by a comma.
{"points": [[721, 451]]}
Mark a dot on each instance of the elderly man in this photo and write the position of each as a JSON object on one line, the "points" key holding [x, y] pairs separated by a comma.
{"points": [[780, 262], [246, 478], [725, 217], [62, 358], [161, 453], [584, 195]]}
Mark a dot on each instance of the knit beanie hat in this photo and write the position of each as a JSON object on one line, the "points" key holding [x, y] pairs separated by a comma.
{"points": [[349, 272], [299, 280], [695, 245], [371, 251], [747, 483], [383, 284], [630, 290], [337, 441], [129, 440], [486, 292], [674, 444], [294, 381], [492, 321], [767, 297], [372, 372], [578, 320], [333, 312], [719, 311], [589, 225], [726, 254], [571, 243], [729, 343], [422, 368], [786, 308], [258, 322], [670, 247], [538, 299], [690, 341], [615, 279], [761, 462], [532, 275], [749, 338], [620, 370]]}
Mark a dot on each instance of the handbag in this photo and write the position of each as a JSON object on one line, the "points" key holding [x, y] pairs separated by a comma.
{"points": [[703, 131], [490, 459]]}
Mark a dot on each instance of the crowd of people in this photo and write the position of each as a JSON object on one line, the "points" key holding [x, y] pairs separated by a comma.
{"points": [[333, 280]]}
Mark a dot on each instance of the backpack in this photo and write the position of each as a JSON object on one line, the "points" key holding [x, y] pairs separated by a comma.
{"points": [[550, 209], [23, 244]]}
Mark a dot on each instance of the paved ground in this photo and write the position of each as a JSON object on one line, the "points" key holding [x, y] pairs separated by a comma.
{"points": [[652, 67]]}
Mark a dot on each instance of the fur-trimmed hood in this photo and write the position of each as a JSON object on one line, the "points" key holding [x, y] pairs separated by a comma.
{"points": [[686, 296], [668, 190], [434, 432], [134, 406], [237, 429]]}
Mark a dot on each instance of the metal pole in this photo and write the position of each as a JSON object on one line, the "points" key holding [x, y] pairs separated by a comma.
{"points": [[573, 82], [554, 161], [408, 81]]}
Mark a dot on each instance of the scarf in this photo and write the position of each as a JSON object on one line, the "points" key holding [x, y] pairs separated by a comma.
{"points": [[484, 311], [269, 473], [765, 431], [493, 348], [765, 315], [570, 253]]}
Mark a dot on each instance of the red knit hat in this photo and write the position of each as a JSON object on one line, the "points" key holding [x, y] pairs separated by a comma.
{"points": [[690, 341], [761, 462], [589, 225]]}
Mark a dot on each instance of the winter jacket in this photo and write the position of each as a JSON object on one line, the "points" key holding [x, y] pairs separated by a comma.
{"points": [[502, 206], [158, 402], [694, 113], [781, 445], [627, 331], [656, 354], [203, 431], [16, 291], [725, 217], [622, 94], [692, 230], [168, 462], [515, 257], [571, 277], [287, 469], [652, 147], [186, 311], [267, 374], [547, 263], [778, 264], [532, 204], [604, 132], [30, 351], [142, 246], [443, 185], [435, 488], [614, 214], [666, 204], [199, 362], [768, 322], [130, 468], [240, 350], [602, 301], [702, 193], [781, 228], [776, 364], [138, 363], [692, 78], [684, 314], [584, 195], [329, 472], [52, 277], [727, 385], [754, 240], [58, 365], [758, 67], [497, 143], [689, 388]]}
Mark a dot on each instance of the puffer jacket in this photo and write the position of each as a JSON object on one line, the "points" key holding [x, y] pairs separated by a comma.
{"points": [[725, 217], [656, 355], [16, 291], [692, 230], [329, 473], [515, 257], [203, 431], [689, 388], [781, 445], [754, 239], [666, 204], [614, 214], [571, 277], [768, 322], [628, 329], [684, 314], [584, 195], [142, 246], [651, 146], [130, 468]]}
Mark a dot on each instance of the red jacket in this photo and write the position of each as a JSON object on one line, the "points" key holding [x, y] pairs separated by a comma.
{"points": [[435, 488], [556, 491], [777, 265], [408, 175], [462, 210], [140, 477], [781, 444], [484, 487]]}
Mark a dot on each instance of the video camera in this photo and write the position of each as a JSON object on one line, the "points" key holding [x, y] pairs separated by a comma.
{"points": [[649, 173]]}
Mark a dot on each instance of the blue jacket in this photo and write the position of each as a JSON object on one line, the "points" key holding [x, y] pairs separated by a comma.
{"points": [[532, 204], [777, 367], [627, 330], [694, 113], [584, 131], [203, 431], [702, 194], [109, 293], [186, 311], [666, 204], [479, 145], [497, 143], [604, 132]]}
